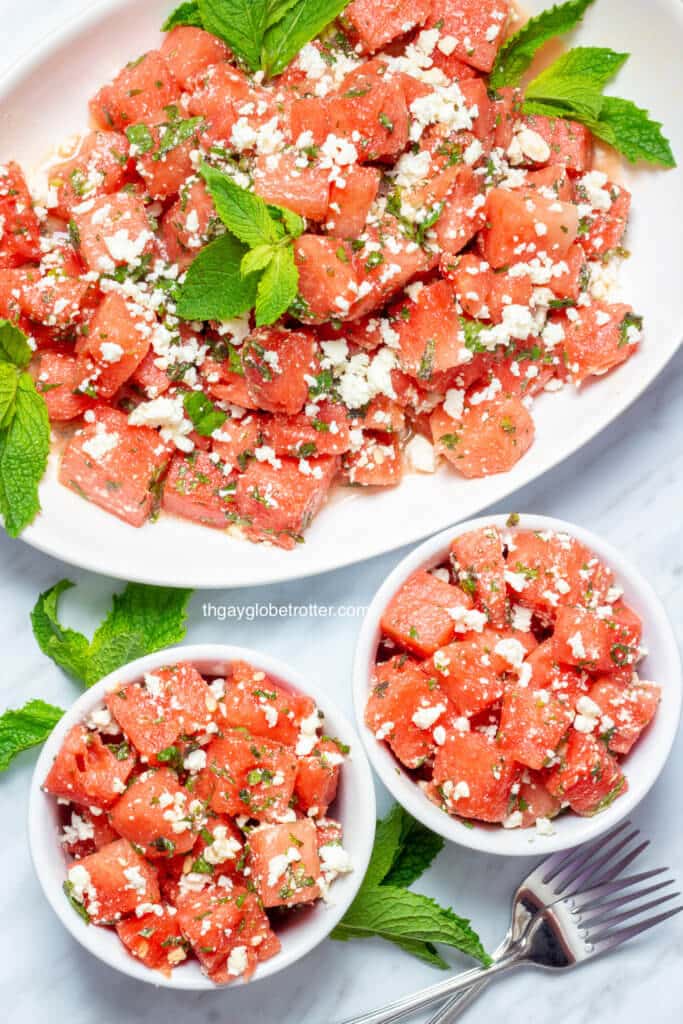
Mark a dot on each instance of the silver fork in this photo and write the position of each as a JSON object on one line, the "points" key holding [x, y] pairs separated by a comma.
{"points": [[566, 911], [547, 883]]}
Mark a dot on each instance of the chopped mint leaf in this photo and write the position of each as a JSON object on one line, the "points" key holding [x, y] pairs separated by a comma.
{"points": [[204, 415]]}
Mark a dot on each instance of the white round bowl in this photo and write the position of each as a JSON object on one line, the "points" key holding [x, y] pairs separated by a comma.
{"points": [[643, 764], [354, 808]]}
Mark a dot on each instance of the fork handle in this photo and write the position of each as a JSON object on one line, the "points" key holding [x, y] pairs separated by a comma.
{"points": [[401, 1008], [457, 1004]]}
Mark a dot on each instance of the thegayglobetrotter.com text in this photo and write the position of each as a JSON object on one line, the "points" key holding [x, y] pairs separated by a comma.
{"points": [[269, 610]]}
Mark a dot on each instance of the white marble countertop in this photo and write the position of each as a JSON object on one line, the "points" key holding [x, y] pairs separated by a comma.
{"points": [[627, 484]]}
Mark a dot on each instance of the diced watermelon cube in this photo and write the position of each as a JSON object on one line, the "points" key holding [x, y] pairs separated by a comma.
{"points": [[166, 165], [429, 332], [317, 778], [349, 206], [279, 179], [228, 931], [87, 772], [155, 814], [189, 51], [565, 683], [588, 777], [171, 701], [58, 378], [285, 863], [478, 556], [279, 504], [418, 616], [468, 672], [489, 438], [474, 777], [98, 167], [254, 702], [82, 820], [550, 570], [404, 707], [139, 93], [476, 26], [328, 279], [114, 232], [373, 26], [20, 238], [154, 939], [584, 638], [598, 338], [325, 432], [521, 225], [464, 212], [532, 723], [276, 364], [115, 465], [629, 708], [186, 226], [249, 776], [376, 462], [570, 143], [113, 882], [198, 489]]}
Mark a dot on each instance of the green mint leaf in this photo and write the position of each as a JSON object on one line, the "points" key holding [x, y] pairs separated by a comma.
{"points": [[517, 52], [214, 288], [278, 287], [8, 391], [243, 213], [186, 14], [422, 950], [24, 728], [292, 223], [175, 133], [66, 647], [256, 259], [143, 619], [277, 10], [203, 413], [14, 348], [631, 131], [419, 847], [141, 137], [302, 23], [386, 848], [24, 448], [399, 914], [240, 23], [576, 80]]}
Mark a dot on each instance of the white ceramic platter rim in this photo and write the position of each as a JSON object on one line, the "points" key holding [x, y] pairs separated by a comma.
{"points": [[355, 526], [642, 766]]}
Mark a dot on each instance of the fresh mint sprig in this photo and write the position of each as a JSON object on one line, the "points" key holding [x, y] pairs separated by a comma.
{"points": [[518, 51], [572, 88], [252, 267], [264, 34], [142, 619], [24, 432], [386, 908]]}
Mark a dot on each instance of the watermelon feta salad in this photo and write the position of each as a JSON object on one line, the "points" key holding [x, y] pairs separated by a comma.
{"points": [[194, 816], [506, 680], [453, 259]]}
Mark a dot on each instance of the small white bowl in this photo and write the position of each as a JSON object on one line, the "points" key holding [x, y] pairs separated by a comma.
{"points": [[643, 764], [354, 808]]}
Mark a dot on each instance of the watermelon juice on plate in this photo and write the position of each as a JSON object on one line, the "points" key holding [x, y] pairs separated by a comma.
{"points": [[199, 810], [344, 259]]}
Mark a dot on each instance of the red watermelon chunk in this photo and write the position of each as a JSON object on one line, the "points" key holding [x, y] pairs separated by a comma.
{"points": [[474, 777], [87, 772], [588, 777], [417, 617], [113, 882]]}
